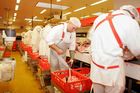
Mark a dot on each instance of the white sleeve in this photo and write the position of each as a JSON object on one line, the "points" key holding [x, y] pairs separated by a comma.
{"points": [[34, 37], [54, 35], [73, 45], [132, 37], [91, 31]]}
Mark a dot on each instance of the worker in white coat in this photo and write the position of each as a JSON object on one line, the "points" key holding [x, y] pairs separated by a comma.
{"points": [[44, 50], [28, 38], [110, 33], [61, 38], [36, 38]]}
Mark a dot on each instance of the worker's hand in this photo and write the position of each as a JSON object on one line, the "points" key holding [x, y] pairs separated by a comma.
{"points": [[71, 62], [59, 51]]}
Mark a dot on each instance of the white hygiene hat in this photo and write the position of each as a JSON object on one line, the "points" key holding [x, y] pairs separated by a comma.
{"points": [[132, 10], [75, 21]]}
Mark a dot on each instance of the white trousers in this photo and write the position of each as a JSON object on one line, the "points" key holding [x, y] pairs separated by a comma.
{"points": [[98, 88]]}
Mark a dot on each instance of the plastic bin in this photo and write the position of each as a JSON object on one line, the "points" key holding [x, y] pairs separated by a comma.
{"points": [[7, 54], [44, 64], [7, 66], [2, 48], [86, 72], [34, 55], [80, 85]]}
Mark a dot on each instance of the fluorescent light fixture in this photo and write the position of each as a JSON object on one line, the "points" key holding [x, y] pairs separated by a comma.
{"points": [[58, 0], [66, 13], [84, 16], [97, 14], [14, 18], [45, 22], [17, 6], [43, 11], [18, 1], [54, 6], [110, 10], [79, 9], [15, 14], [28, 19], [98, 2], [11, 22], [35, 17]]}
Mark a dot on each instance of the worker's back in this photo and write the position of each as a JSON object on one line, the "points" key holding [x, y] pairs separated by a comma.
{"points": [[105, 48]]}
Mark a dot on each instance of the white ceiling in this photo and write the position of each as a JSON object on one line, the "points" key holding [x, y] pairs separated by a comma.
{"points": [[118, 3]]}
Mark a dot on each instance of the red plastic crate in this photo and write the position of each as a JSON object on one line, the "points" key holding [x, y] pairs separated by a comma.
{"points": [[7, 54], [2, 48], [34, 55], [25, 47], [70, 87], [29, 49], [44, 64], [86, 72]]}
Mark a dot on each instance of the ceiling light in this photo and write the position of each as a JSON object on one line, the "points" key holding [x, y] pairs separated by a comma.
{"points": [[66, 13], [58, 0], [18, 1], [11, 22], [54, 6], [15, 14], [45, 22], [35, 17], [14, 18], [84, 16], [28, 19], [98, 13], [98, 2], [110, 10], [43, 11], [79, 9], [17, 6]]}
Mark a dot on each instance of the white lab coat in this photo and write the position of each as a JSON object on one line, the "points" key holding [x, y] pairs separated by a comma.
{"points": [[106, 51], [28, 38], [55, 37], [36, 38], [43, 46]]}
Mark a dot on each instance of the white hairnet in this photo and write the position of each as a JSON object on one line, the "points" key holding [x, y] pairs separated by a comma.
{"points": [[132, 10], [75, 21]]}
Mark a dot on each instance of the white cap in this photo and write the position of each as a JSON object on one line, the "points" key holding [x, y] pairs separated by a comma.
{"points": [[37, 28], [132, 10], [75, 21]]}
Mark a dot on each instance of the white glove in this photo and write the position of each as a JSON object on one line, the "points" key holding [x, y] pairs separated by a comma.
{"points": [[71, 61]]}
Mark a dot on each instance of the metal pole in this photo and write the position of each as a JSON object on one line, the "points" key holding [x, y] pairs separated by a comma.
{"points": [[32, 22]]}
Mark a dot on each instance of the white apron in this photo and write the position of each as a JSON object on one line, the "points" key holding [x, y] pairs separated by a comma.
{"points": [[58, 61], [112, 75]]}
